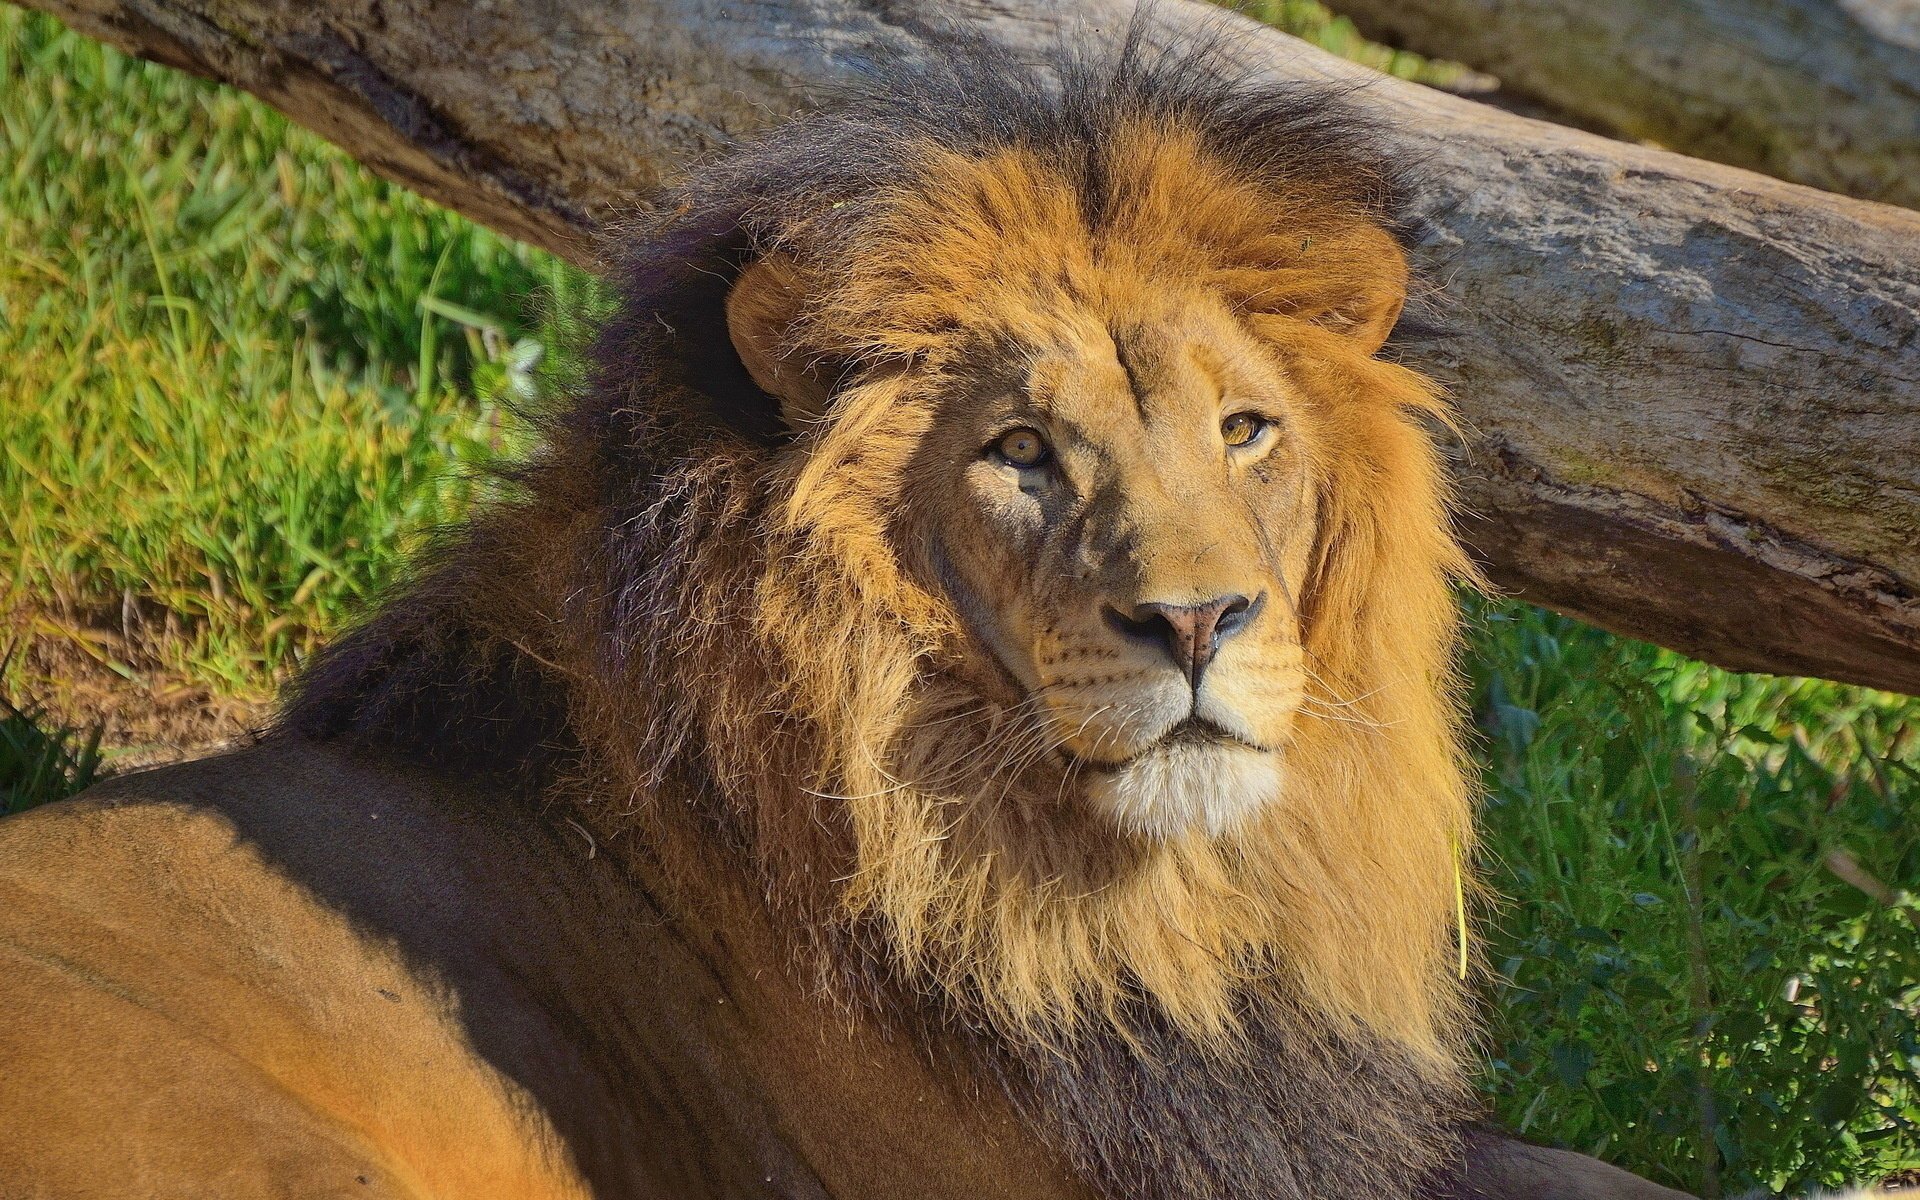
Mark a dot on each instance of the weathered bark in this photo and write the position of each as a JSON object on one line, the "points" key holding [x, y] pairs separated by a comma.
{"points": [[1692, 393], [1816, 91]]}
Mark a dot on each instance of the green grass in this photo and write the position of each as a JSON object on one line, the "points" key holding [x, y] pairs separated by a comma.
{"points": [[1313, 22], [238, 376], [240, 372]]}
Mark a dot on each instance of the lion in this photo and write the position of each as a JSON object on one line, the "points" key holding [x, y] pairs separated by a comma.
{"points": [[962, 704]]}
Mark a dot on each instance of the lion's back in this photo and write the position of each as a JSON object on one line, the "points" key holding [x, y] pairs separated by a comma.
{"points": [[186, 1014]]}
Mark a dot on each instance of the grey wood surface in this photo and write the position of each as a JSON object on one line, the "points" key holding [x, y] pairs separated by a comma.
{"points": [[1822, 92]]}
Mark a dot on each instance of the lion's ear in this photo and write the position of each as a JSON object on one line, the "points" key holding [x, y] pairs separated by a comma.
{"points": [[1371, 289], [761, 309], [1368, 320]]}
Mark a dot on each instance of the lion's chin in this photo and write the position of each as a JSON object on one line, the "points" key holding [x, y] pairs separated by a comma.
{"points": [[1183, 786]]}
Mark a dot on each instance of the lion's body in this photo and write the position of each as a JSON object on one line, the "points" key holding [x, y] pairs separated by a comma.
{"points": [[298, 972], [962, 705], [294, 972], [221, 1014]]}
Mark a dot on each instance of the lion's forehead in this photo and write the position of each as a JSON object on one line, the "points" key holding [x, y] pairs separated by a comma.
{"points": [[1103, 374], [1008, 241]]}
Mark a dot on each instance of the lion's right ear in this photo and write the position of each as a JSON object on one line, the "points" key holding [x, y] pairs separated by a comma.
{"points": [[761, 309]]}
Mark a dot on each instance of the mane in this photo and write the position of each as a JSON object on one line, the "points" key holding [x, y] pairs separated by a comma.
{"points": [[699, 628]]}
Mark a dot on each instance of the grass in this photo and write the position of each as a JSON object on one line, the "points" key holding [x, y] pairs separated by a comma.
{"points": [[241, 376], [1313, 22], [241, 373], [42, 761]]}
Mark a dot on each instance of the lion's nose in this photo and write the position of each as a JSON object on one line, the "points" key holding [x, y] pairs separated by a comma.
{"points": [[1191, 633]]}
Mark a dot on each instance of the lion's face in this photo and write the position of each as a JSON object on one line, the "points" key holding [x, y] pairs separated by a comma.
{"points": [[1116, 454], [1120, 505]]}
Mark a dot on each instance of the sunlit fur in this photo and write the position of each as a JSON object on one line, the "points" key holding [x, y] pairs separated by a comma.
{"points": [[757, 652], [1211, 789], [983, 879], [835, 686]]}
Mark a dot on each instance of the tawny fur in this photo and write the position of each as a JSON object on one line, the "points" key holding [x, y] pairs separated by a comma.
{"points": [[755, 653], [779, 637], [1349, 888]]}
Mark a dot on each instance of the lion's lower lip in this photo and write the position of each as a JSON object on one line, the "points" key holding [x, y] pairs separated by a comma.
{"points": [[1196, 729], [1191, 731]]}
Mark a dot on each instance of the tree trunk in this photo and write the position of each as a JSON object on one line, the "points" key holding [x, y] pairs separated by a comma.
{"points": [[1692, 394], [1822, 92]]}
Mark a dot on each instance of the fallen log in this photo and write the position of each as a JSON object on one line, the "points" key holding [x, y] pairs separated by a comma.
{"points": [[1691, 393], [1808, 90]]}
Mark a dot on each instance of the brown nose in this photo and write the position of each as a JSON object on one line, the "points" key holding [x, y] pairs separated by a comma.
{"points": [[1190, 632]]}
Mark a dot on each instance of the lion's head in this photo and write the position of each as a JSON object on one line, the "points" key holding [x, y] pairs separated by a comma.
{"points": [[1127, 432], [994, 512]]}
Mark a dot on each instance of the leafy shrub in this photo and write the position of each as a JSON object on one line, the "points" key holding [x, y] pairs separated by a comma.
{"points": [[1704, 965]]}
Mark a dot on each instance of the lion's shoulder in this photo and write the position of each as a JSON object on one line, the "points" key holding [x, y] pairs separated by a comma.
{"points": [[187, 834], [285, 847]]}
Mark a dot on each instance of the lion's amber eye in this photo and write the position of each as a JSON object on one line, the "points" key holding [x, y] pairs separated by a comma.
{"points": [[1241, 428], [1022, 447]]}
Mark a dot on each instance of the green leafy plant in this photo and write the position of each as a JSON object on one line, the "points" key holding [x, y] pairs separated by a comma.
{"points": [[41, 761], [1707, 961]]}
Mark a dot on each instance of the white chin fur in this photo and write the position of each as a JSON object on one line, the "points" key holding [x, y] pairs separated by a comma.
{"points": [[1173, 789]]}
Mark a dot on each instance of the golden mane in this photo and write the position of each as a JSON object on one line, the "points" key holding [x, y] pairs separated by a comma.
{"points": [[878, 787], [742, 648]]}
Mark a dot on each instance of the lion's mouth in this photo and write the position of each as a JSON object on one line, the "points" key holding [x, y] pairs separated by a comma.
{"points": [[1192, 731]]}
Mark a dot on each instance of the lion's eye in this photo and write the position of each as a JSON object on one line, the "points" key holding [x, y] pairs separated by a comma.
{"points": [[1022, 447], [1241, 429]]}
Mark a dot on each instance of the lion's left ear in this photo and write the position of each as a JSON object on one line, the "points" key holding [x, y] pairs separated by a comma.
{"points": [[761, 308], [1366, 276]]}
